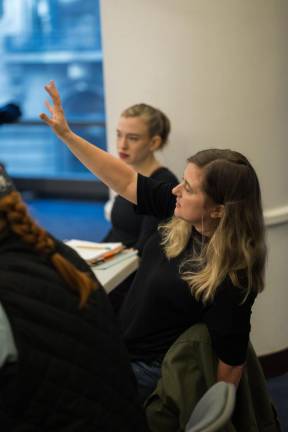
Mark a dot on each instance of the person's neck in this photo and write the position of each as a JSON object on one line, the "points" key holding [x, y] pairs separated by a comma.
{"points": [[147, 167], [206, 231], [201, 233]]}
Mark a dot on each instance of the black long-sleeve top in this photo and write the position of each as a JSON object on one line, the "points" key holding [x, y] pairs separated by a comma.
{"points": [[159, 305], [130, 228]]}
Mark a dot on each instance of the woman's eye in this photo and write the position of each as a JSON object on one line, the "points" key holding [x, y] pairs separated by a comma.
{"points": [[186, 187]]}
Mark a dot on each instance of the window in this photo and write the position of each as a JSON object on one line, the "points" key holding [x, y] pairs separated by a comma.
{"points": [[42, 40]]}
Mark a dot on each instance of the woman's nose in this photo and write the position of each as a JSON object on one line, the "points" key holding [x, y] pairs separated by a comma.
{"points": [[122, 142], [177, 189]]}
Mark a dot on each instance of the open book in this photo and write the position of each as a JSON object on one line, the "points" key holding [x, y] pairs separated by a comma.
{"points": [[93, 252]]}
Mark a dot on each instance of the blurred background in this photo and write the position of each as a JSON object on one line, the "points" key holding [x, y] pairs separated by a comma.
{"points": [[42, 40]]}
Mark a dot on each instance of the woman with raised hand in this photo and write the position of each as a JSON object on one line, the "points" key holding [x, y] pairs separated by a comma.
{"points": [[63, 365], [209, 264]]}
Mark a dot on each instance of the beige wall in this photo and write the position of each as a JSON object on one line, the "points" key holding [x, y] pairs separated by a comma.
{"points": [[219, 70]]}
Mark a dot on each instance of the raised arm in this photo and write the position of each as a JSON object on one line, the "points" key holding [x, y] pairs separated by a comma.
{"points": [[112, 171]]}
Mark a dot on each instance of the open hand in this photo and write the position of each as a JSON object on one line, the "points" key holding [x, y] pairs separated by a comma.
{"points": [[57, 120]]}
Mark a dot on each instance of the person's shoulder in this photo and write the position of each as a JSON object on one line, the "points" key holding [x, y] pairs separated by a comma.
{"points": [[165, 175]]}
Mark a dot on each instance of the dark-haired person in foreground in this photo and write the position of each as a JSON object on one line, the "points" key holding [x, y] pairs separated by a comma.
{"points": [[62, 364]]}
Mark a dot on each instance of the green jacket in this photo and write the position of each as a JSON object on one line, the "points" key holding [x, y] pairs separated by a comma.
{"points": [[188, 370]]}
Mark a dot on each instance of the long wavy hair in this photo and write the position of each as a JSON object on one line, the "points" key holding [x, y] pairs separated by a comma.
{"points": [[237, 247], [14, 216]]}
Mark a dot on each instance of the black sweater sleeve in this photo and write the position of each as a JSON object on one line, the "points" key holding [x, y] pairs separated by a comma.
{"points": [[149, 224], [154, 198], [228, 322]]}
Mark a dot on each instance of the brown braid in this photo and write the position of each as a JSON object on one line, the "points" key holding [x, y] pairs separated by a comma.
{"points": [[15, 215]]}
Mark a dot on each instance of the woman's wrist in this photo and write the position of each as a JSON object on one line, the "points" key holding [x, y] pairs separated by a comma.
{"points": [[67, 136]]}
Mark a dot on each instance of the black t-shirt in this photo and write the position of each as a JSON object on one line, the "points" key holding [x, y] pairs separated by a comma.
{"points": [[160, 306], [134, 229]]}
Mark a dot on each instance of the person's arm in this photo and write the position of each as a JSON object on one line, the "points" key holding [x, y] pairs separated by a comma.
{"points": [[112, 171], [230, 374], [228, 322], [149, 223]]}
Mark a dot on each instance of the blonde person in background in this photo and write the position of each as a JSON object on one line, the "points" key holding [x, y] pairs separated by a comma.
{"points": [[207, 264], [141, 131]]}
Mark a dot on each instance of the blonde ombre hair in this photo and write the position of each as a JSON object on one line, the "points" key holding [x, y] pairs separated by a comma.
{"points": [[237, 246]]}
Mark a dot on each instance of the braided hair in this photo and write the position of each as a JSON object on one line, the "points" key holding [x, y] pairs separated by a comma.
{"points": [[15, 216]]}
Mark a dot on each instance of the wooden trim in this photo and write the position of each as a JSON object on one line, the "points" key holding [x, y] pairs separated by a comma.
{"points": [[275, 364]]}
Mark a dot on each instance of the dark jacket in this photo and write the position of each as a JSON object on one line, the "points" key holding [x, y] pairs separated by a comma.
{"points": [[188, 370], [72, 373]]}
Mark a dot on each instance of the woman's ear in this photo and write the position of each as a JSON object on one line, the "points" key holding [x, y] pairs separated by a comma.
{"points": [[217, 212], [155, 143]]}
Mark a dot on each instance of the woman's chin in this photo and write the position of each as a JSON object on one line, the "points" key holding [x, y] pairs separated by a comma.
{"points": [[177, 212]]}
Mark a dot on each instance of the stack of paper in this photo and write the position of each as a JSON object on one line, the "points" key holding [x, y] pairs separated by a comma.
{"points": [[93, 252]]}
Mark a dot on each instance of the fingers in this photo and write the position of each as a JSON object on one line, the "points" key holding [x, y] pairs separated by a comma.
{"points": [[51, 87], [49, 107], [46, 119], [53, 92], [55, 109]]}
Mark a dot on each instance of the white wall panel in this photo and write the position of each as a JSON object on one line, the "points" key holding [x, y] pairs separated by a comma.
{"points": [[219, 70]]}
